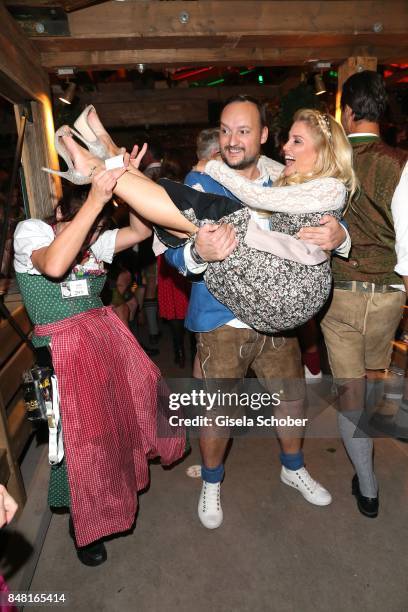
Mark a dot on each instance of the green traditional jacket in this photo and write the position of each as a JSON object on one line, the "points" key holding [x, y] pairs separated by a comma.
{"points": [[372, 257]]}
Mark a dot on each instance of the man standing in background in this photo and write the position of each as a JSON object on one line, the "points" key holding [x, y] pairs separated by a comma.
{"points": [[366, 308]]}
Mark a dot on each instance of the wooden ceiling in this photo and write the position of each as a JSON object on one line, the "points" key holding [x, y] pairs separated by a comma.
{"points": [[172, 33]]}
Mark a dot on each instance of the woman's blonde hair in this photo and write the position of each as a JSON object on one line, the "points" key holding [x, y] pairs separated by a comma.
{"points": [[334, 152]]}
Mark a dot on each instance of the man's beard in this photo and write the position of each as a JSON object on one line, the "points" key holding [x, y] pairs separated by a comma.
{"points": [[241, 165]]}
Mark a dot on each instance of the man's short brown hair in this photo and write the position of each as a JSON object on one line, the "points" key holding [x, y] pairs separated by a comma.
{"points": [[245, 98]]}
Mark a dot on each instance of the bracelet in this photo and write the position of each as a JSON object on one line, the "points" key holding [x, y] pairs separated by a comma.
{"points": [[195, 256]]}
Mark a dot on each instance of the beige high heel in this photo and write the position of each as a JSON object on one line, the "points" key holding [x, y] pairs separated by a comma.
{"points": [[71, 174], [86, 134]]}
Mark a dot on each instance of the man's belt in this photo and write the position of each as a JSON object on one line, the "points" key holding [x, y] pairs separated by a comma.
{"points": [[364, 287]]}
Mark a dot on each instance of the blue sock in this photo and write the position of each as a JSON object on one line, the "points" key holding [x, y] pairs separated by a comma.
{"points": [[212, 475], [292, 461]]}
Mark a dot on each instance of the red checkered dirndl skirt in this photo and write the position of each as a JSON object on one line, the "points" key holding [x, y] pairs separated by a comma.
{"points": [[173, 291], [114, 418]]}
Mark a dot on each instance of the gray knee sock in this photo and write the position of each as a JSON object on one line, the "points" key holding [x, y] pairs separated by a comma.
{"points": [[374, 394], [360, 450], [150, 308], [401, 418]]}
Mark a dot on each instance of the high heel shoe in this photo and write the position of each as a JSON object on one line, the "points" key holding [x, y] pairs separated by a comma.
{"points": [[86, 134], [71, 174], [98, 138]]}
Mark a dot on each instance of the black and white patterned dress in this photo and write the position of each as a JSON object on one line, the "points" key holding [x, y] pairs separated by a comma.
{"points": [[268, 292]]}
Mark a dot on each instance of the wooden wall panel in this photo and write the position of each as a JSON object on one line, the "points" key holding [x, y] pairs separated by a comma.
{"points": [[19, 427], [10, 374], [9, 338], [38, 150], [4, 467], [15, 482], [24, 79]]}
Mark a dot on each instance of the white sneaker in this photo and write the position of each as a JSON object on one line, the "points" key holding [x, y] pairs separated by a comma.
{"points": [[311, 490], [312, 378], [209, 505]]}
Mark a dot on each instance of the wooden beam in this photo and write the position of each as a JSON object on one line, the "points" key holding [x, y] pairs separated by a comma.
{"points": [[49, 44], [111, 60], [149, 18], [127, 94], [20, 61], [119, 106], [353, 65], [75, 5], [268, 32], [349, 67], [11, 91], [31, 3]]}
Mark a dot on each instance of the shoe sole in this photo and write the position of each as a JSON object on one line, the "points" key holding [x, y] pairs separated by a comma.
{"points": [[81, 124], [212, 526], [313, 503], [88, 561], [361, 510], [364, 513], [209, 526], [81, 554]]}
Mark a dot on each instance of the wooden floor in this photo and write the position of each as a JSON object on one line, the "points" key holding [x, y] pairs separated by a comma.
{"points": [[274, 551]]}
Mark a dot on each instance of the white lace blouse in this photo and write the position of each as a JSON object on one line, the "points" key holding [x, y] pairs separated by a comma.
{"points": [[313, 196]]}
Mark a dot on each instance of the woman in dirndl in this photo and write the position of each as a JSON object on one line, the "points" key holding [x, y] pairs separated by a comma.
{"points": [[112, 402]]}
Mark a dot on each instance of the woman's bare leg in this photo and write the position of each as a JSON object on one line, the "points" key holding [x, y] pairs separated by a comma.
{"points": [[145, 197], [152, 202]]}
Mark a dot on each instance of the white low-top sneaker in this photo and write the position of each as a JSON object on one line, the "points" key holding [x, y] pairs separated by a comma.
{"points": [[311, 490], [209, 505]]}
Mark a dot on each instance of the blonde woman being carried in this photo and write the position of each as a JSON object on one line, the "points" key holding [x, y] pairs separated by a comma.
{"points": [[271, 280]]}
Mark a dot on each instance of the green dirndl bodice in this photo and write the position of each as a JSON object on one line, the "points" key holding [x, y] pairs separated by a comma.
{"points": [[44, 304]]}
